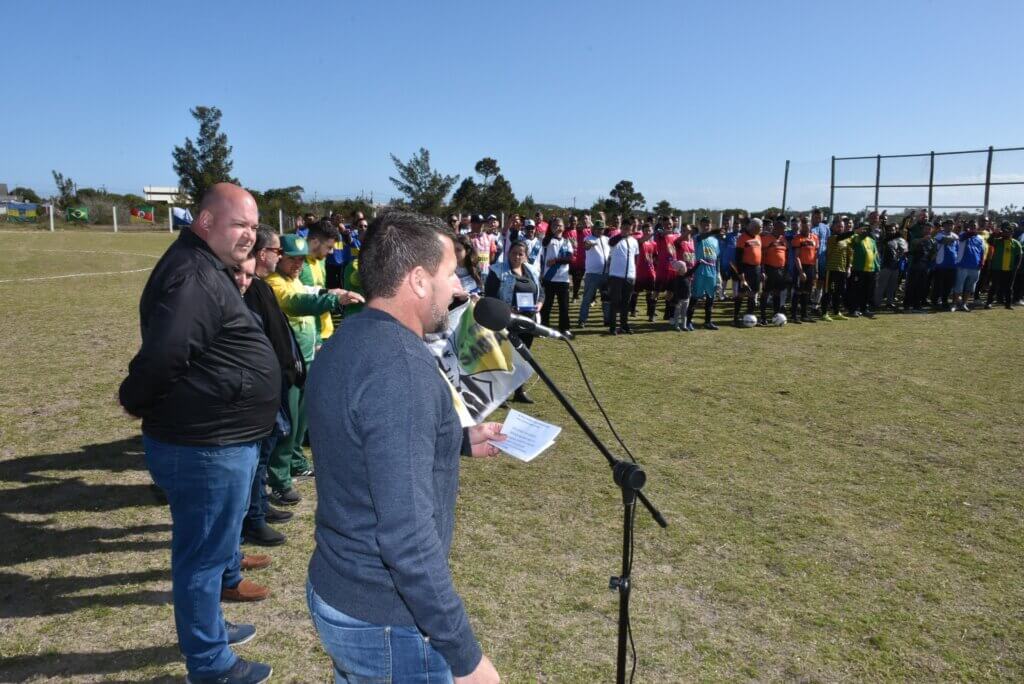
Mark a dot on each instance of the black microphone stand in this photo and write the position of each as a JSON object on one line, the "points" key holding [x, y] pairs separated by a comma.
{"points": [[630, 478]]}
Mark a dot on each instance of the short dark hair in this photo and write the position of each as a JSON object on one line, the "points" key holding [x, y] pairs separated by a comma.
{"points": [[264, 236], [323, 230], [397, 242]]}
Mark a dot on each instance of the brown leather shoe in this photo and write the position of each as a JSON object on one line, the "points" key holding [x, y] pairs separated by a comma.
{"points": [[255, 561], [247, 590]]}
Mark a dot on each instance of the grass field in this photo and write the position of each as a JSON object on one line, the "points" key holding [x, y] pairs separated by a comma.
{"points": [[845, 501]]}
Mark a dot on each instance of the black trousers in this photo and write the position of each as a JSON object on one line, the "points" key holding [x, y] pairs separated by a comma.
{"points": [[774, 283], [917, 289], [551, 291], [752, 274], [864, 290], [943, 280], [620, 292], [835, 291], [1001, 286], [802, 291]]}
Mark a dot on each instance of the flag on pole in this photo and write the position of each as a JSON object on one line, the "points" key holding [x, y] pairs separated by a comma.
{"points": [[480, 365], [22, 212], [182, 216], [77, 214], [144, 213]]}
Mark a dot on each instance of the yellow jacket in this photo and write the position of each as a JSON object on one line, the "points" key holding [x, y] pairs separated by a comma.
{"points": [[314, 273]]}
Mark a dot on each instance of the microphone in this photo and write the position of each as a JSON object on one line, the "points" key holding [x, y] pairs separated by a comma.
{"points": [[496, 315]]}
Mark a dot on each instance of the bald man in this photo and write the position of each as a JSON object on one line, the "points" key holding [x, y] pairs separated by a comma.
{"points": [[207, 385]]}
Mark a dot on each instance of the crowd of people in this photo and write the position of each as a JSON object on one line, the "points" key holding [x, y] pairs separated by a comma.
{"points": [[242, 365], [812, 268]]}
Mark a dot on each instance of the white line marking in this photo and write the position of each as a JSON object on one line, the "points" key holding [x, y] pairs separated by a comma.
{"points": [[73, 275]]}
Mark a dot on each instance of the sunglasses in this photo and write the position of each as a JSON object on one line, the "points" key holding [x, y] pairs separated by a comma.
{"points": [[276, 250]]}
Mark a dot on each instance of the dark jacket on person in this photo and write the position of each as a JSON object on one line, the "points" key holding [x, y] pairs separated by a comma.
{"points": [[206, 374], [387, 441], [261, 300]]}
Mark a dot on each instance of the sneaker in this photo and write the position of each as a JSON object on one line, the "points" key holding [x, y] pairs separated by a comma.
{"points": [[827, 318], [678, 327], [855, 314], [303, 472], [276, 515], [287, 497], [246, 591], [521, 397], [239, 634], [628, 330], [263, 536], [242, 672], [840, 317], [710, 326], [808, 319], [988, 306], [869, 314], [689, 326], [797, 321], [965, 308], [255, 561]]}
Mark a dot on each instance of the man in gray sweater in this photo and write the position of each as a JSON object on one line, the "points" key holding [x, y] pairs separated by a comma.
{"points": [[387, 440]]}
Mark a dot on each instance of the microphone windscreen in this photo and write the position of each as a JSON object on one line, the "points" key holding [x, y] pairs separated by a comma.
{"points": [[491, 313]]}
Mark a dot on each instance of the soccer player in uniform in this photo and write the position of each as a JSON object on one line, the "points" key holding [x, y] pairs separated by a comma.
{"points": [[775, 250], [705, 274], [806, 249], [747, 267], [839, 255]]}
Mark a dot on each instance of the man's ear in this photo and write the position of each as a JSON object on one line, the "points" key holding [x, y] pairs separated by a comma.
{"points": [[202, 222], [417, 279]]}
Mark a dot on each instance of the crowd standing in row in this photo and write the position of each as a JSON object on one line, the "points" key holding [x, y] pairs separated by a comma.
{"points": [[815, 269]]}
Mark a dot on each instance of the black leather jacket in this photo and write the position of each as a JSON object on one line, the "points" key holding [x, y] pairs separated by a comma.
{"points": [[206, 374]]}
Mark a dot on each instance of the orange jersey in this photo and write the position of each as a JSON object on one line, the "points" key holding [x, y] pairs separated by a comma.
{"points": [[806, 247], [775, 249], [748, 249]]}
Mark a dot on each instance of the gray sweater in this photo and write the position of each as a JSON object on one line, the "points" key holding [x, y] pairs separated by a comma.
{"points": [[387, 443]]}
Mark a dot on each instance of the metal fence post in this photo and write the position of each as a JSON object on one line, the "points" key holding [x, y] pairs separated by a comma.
{"points": [[114, 211], [170, 218], [931, 181], [51, 217], [878, 177], [832, 189], [280, 221], [785, 187], [988, 177]]}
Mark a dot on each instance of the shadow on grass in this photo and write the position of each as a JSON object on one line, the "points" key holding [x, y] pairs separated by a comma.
{"points": [[25, 596], [63, 665], [52, 486]]}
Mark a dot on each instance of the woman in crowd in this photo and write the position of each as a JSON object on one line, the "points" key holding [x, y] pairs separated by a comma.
{"points": [[513, 282], [558, 252]]}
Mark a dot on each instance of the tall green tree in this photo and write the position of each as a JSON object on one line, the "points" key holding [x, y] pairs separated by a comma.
{"points": [[663, 208], [425, 188], [624, 198], [467, 196], [207, 161], [65, 190], [27, 195], [487, 168], [498, 196]]}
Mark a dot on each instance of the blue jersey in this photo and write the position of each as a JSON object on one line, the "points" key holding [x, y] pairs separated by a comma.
{"points": [[726, 247]]}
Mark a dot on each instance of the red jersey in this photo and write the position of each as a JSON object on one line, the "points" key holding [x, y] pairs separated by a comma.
{"points": [[666, 255], [646, 262], [579, 257]]}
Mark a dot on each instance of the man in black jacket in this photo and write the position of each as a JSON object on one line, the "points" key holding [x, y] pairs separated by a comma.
{"points": [[207, 385], [261, 300]]}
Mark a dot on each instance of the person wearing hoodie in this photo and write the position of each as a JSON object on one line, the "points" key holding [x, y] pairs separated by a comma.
{"points": [[894, 249], [970, 256], [944, 266], [1004, 262]]}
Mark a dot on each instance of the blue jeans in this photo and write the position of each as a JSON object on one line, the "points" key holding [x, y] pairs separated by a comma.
{"points": [[365, 653], [208, 492], [592, 283]]}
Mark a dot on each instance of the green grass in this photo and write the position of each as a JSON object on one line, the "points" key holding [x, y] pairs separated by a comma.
{"points": [[844, 501]]}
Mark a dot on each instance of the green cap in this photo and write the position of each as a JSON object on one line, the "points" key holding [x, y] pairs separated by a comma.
{"points": [[294, 245]]}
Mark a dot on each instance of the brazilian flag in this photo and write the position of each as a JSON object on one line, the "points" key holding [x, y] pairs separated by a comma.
{"points": [[77, 214]]}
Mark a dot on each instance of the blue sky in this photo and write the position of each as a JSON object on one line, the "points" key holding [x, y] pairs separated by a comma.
{"points": [[699, 103]]}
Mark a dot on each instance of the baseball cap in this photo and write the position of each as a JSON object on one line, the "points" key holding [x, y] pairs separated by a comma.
{"points": [[528, 223], [477, 218], [491, 217], [294, 245]]}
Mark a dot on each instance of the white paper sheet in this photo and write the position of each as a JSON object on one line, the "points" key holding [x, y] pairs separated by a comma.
{"points": [[527, 436]]}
